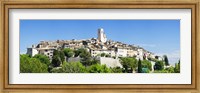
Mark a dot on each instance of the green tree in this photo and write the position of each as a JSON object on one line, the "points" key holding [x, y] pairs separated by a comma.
{"points": [[170, 69], [55, 52], [86, 58], [74, 67], [97, 68], [128, 63], [177, 67], [146, 64], [58, 58], [103, 54], [167, 70], [139, 66], [32, 65], [94, 61], [107, 55], [78, 52], [56, 61], [57, 70], [159, 65], [166, 60], [44, 59], [68, 53], [160, 71], [116, 70], [62, 56], [24, 63]]}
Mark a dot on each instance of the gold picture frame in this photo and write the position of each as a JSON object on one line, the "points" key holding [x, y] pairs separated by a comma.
{"points": [[107, 88]]}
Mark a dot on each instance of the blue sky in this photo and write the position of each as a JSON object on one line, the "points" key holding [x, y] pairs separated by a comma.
{"points": [[158, 36]]}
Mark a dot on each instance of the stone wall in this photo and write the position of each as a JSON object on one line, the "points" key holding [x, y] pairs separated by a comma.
{"points": [[110, 62]]}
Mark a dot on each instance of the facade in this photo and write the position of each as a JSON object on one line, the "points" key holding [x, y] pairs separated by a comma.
{"points": [[121, 52], [47, 51], [44, 51], [94, 52], [131, 52], [140, 54]]}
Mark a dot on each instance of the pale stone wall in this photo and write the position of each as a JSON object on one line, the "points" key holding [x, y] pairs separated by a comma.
{"points": [[74, 59], [98, 52], [110, 62]]}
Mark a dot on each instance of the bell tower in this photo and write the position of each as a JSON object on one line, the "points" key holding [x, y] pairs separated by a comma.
{"points": [[101, 35]]}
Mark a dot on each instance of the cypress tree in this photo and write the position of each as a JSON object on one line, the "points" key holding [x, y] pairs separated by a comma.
{"points": [[139, 66], [166, 60]]}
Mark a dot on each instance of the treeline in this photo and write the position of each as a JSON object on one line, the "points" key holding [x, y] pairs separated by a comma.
{"points": [[37, 64], [160, 68], [41, 63], [144, 66], [59, 64]]}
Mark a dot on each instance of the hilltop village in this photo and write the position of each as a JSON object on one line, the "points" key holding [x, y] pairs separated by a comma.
{"points": [[113, 50], [95, 46]]}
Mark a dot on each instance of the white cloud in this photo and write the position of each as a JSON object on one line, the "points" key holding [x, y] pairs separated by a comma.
{"points": [[173, 56], [147, 45]]}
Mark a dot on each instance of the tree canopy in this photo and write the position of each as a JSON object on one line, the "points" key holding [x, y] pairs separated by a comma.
{"points": [[56, 61], [129, 63], [103, 54], [177, 67], [78, 52], [97, 68], [86, 57], [73, 67], [44, 59], [32, 65], [116, 70], [58, 58], [68, 52], [146, 64], [159, 65]]}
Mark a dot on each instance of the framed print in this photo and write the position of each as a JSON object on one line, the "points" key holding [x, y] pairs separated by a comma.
{"points": [[83, 55], [90, 46]]}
